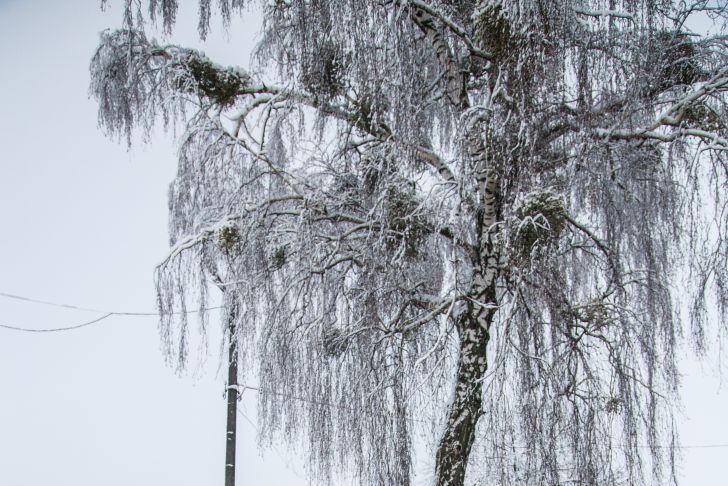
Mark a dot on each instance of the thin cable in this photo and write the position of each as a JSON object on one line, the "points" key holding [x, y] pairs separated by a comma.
{"points": [[65, 306], [57, 329], [85, 309], [701, 446], [106, 313], [101, 311]]}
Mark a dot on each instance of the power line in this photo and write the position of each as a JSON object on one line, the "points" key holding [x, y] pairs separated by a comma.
{"points": [[101, 311], [53, 304], [57, 329], [106, 313], [701, 446]]}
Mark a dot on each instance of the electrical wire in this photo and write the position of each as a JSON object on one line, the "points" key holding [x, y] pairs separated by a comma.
{"points": [[101, 311], [106, 313], [58, 329], [44, 302]]}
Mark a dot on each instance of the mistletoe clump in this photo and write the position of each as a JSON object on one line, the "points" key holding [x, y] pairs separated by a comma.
{"points": [[595, 313], [407, 228], [540, 219], [200, 76], [493, 30], [704, 117], [279, 257], [333, 342], [677, 58], [228, 238]]}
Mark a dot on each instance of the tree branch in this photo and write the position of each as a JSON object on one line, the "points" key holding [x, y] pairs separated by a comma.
{"points": [[454, 28]]}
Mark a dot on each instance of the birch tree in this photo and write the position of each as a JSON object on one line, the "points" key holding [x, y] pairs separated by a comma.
{"points": [[496, 225]]}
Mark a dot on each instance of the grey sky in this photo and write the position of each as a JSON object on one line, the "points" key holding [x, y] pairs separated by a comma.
{"points": [[84, 222]]}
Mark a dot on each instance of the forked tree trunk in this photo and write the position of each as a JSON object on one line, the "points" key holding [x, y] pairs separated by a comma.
{"points": [[232, 402], [466, 408]]}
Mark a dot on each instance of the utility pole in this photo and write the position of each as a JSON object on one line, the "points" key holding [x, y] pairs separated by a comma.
{"points": [[232, 396]]}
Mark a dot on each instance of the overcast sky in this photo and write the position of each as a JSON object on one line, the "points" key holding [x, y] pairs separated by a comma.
{"points": [[83, 222]]}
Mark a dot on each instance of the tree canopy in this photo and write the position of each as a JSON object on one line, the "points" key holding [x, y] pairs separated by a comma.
{"points": [[485, 226]]}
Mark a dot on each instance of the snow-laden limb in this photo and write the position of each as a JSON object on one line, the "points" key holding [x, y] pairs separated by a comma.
{"points": [[717, 84], [673, 124], [715, 141], [137, 81], [605, 13]]}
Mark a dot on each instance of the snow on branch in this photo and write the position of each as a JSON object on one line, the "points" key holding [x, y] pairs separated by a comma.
{"points": [[715, 141], [674, 122], [137, 81], [604, 13]]}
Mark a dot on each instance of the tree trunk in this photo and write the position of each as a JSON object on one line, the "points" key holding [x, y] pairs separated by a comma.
{"points": [[232, 402], [466, 407], [404, 465], [474, 325]]}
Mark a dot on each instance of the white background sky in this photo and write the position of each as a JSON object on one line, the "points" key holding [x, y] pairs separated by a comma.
{"points": [[83, 221]]}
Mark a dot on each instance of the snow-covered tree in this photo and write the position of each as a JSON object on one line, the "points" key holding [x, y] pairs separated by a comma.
{"points": [[485, 225]]}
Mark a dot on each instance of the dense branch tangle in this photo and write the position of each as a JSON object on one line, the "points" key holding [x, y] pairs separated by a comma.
{"points": [[467, 211]]}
